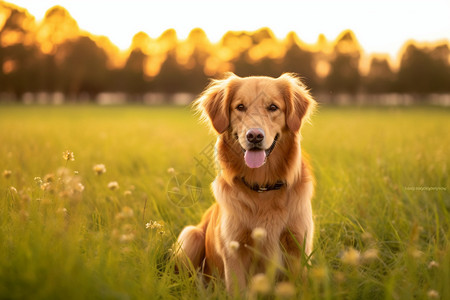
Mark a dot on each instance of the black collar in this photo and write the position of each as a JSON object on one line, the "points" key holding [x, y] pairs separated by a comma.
{"points": [[265, 188]]}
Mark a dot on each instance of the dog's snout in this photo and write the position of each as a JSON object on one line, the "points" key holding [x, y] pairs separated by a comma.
{"points": [[255, 135]]}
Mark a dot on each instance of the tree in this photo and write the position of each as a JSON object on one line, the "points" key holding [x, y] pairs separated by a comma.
{"points": [[424, 70], [82, 67], [132, 79], [262, 54], [299, 61], [380, 78], [18, 55], [344, 74], [172, 77], [57, 27]]}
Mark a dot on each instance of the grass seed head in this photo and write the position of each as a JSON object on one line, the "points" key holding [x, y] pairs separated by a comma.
{"points": [[126, 212], [79, 187], [125, 238], [68, 155], [49, 177], [62, 211], [339, 276], [367, 236], [415, 253], [154, 225], [46, 186], [38, 180], [319, 273]]}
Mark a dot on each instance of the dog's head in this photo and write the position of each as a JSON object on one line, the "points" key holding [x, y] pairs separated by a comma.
{"points": [[256, 111]]}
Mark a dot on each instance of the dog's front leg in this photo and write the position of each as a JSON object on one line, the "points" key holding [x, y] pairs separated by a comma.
{"points": [[298, 246], [235, 271]]}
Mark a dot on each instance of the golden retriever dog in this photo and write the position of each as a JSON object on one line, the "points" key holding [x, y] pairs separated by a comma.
{"points": [[264, 187]]}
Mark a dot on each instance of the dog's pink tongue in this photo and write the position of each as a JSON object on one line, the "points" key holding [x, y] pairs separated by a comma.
{"points": [[255, 159]]}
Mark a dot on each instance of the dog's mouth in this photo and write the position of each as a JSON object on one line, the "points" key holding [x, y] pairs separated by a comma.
{"points": [[256, 157]]}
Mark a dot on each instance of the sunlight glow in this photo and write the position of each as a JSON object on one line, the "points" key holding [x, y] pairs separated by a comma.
{"points": [[380, 26]]}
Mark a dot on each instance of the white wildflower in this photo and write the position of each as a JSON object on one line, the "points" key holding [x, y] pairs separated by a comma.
{"points": [[99, 169], [113, 185], [433, 264], [259, 234], [234, 246], [370, 255], [285, 290], [260, 284], [351, 257], [433, 294]]}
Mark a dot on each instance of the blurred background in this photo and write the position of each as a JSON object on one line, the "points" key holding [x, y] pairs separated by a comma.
{"points": [[50, 59]]}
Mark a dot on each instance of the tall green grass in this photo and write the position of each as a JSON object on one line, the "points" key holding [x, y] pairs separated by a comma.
{"points": [[381, 206]]}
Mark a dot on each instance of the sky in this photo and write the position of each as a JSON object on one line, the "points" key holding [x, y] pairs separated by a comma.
{"points": [[381, 26]]}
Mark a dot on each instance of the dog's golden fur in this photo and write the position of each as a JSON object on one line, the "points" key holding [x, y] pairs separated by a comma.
{"points": [[284, 213]]}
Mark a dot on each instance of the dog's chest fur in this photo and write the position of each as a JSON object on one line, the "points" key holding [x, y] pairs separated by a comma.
{"points": [[243, 211]]}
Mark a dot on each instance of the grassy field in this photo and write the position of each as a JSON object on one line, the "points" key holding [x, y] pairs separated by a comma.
{"points": [[381, 207]]}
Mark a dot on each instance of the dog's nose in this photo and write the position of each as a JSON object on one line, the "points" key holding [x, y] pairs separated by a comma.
{"points": [[255, 135]]}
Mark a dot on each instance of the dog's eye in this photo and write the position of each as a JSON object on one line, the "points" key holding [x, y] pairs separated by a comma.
{"points": [[240, 107], [272, 107]]}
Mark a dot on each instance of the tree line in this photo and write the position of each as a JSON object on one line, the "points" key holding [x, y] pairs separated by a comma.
{"points": [[56, 56]]}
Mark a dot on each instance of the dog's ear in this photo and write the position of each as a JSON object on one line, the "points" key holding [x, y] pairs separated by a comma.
{"points": [[299, 103], [214, 102]]}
